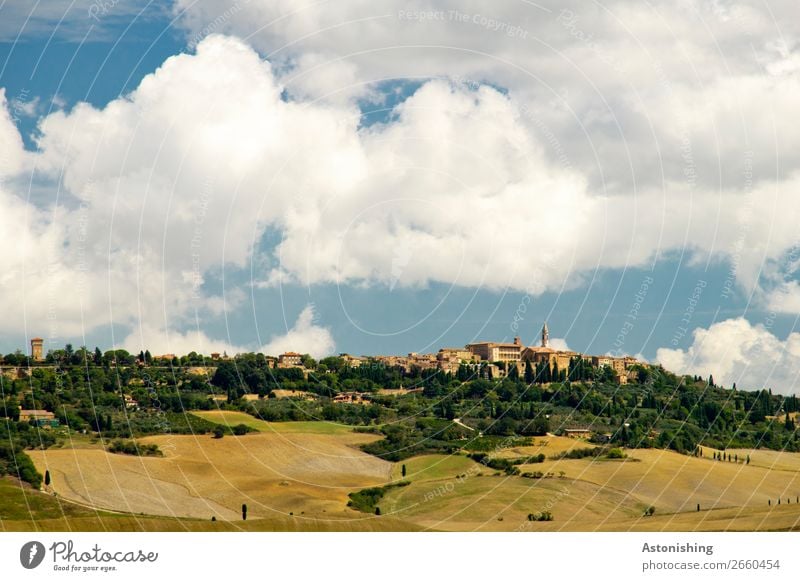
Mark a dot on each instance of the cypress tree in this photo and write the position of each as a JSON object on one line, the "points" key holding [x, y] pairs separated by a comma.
{"points": [[528, 372]]}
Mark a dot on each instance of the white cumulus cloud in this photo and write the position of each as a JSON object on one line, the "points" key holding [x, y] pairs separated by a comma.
{"points": [[304, 337], [737, 351]]}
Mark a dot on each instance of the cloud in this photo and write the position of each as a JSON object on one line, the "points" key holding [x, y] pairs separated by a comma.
{"points": [[159, 341], [71, 20], [606, 80], [21, 107], [12, 151], [662, 126], [157, 190], [736, 351], [304, 337]]}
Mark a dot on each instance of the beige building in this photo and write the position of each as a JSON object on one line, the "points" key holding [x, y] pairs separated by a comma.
{"points": [[393, 361], [450, 359], [618, 364], [546, 354], [561, 359], [290, 359], [422, 361], [41, 418], [495, 352], [37, 349], [350, 397], [578, 433], [463, 354], [352, 361]]}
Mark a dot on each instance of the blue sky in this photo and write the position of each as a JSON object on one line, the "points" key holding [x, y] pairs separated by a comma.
{"points": [[619, 196]]}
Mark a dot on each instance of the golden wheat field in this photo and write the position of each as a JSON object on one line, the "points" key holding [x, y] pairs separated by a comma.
{"points": [[602, 494], [201, 477], [297, 476]]}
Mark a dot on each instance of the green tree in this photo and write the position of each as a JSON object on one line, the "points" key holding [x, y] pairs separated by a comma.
{"points": [[529, 376], [47, 478], [244, 512]]}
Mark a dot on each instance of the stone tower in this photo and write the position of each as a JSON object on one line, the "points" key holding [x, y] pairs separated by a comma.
{"points": [[37, 343], [545, 336]]}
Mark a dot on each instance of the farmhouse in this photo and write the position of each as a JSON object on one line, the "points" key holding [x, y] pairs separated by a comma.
{"points": [[290, 359], [349, 397], [578, 433], [41, 418]]}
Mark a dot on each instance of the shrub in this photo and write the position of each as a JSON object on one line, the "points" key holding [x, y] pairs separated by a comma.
{"points": [[578, 453], [535, 475], [367, 500], [131, 448]]}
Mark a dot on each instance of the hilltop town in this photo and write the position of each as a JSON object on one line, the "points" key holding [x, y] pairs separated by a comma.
{"points": [[510, 358], [497, 359], [490, 360]]}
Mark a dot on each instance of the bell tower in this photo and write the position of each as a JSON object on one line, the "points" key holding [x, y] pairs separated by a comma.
{"points": [[37, 349], [545, 336]]}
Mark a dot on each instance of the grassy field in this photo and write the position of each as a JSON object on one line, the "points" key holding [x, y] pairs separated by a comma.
{"points": [[230, 418], [547, 445], [771, 459], [502, 503], [436, 467]]}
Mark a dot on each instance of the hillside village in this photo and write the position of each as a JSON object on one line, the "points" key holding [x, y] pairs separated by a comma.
{"points": [[492, 360], [417, 401], [501, 356]]}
